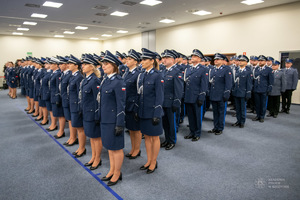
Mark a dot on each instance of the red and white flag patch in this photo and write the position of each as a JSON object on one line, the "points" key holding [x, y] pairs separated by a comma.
{"points": [[179, 76], [229, 73], [162, 81], [123, 88], [206, 74]]}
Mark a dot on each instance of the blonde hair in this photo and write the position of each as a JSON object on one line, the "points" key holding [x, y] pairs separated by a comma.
{"points": [[97, 72]]}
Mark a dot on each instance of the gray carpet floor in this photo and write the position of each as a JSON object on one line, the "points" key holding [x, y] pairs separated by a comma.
{"points": [[261, 161]]}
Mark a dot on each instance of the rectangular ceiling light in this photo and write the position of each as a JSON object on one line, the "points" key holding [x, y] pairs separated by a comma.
{"points": [[121, 31], [106, 35], [59, 36], [251, 2], [17, 33], [69, 32], [202, 12], [52, 4], [167, 21], [94, 38], [23, 29], [119, 14], [81, 27], [39, 15], [30, 23], [150, 2]]}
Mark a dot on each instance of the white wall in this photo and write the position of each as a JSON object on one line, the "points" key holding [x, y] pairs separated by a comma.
{"points": [[123, 44]]}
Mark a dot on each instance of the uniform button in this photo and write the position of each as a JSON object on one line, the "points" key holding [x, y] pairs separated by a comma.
{"points": [[112, 110]]}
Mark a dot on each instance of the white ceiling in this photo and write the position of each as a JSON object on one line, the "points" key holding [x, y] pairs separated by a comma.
{"points": [[141, 17]]}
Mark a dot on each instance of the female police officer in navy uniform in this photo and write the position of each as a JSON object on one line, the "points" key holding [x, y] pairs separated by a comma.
{"points": [[130, 78], [151, 96], [37, 88], [45, 96], [73, 92], [111, 100], [88, 104]]}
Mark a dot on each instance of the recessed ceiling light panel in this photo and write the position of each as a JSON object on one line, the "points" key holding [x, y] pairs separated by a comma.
{"points": [[251, 2], [202, 12], [150, 2], [81, 27], [119, 14], [23, 29], [17, 33], [30, 23], [39, 15], [59, 36], [121, 31], [167, 21], [94, 38], [69, 32], [106, 35], [52, 4]]}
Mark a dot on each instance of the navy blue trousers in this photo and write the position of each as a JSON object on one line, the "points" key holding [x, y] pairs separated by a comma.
{"points": [[219, 113], [261, 104], [169, 125], [195, 118], [241, 109]]}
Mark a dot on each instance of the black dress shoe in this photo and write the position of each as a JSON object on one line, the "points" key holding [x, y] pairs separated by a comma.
{"points": [[134, 157], [65, 143], [188, 136], [218, 132], [35, 115], [128, 155], [93, 168], [170, 146], [255, 119], [47, 122], [31, 112], [212, 131], [242, 125], [269, 115], [164, 144], [144, 167], [287, 112], [283, 110], [57, 137], [149, 171], [196, 138], [39, 119], [275, 116], [261, 120], [74, 153], [106, 178], [110, 183], [75, 142], [48, 129], [79, 155], [235, 124], [88, 164]]}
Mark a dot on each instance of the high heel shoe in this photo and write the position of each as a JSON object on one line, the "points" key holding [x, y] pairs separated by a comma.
{"points": [[144, 167], [35, 115], [93, 168], [26, 109], [31, 112], [110, 183], [57, 137], [79, 155], [134, 157], [39, 119], [75, 142], [47, 122], [149, 171], [74, 153], [65, 143], [88, 164], [128, 155], [106, 178], [48, 129]]}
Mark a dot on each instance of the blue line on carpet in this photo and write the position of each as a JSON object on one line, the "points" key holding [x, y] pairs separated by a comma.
{"points": [[80, 163]]}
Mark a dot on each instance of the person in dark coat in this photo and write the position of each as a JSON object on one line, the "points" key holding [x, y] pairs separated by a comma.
{"points": [[45, 96]]}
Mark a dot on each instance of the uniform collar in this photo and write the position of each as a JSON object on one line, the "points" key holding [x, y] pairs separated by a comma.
{"points": [[75, 72], [66, 71], [149, 70], [132, 69], [111, 75], [170, 68]]}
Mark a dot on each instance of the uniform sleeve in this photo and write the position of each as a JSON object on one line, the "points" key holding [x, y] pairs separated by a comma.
{"points": [[228, 84], [203, 85], [249, 85], [295, 79], [57, 92], [178, 89], [159, 96], [95, 91], [120, 91], [270, 81], [283, 83]]}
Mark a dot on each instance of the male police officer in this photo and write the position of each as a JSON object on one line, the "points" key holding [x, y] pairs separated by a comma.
{"points": [[291, 85], [263, 82]]}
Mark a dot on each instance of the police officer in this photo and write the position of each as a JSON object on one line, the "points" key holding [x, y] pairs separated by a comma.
{"points": [[173, 90], [30, 84], [220, 79], [277, 89], [291, 85], [111, 101], [263, 82], [151, 96], [22, 83], [45, 96], [269, 61], [242, 87], [196, 80], [131, 108], [39, 64], [89, 106], [122, 67], [12, 79], [73, 93]]}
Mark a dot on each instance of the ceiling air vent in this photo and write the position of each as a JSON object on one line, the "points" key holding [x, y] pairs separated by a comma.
{"points": [[100, 7], [31, 5], [129, 3], [101, 14], [96, 22]]}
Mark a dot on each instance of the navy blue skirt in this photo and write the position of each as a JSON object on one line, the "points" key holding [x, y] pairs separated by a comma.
{"points": [[30, 93], [35, 97], [131, 124], [23, 91], [147, 128], [57, 111], [109, 140], [42, 103], [48, 105], [67, 113], [91, 129], [76, 120]]}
